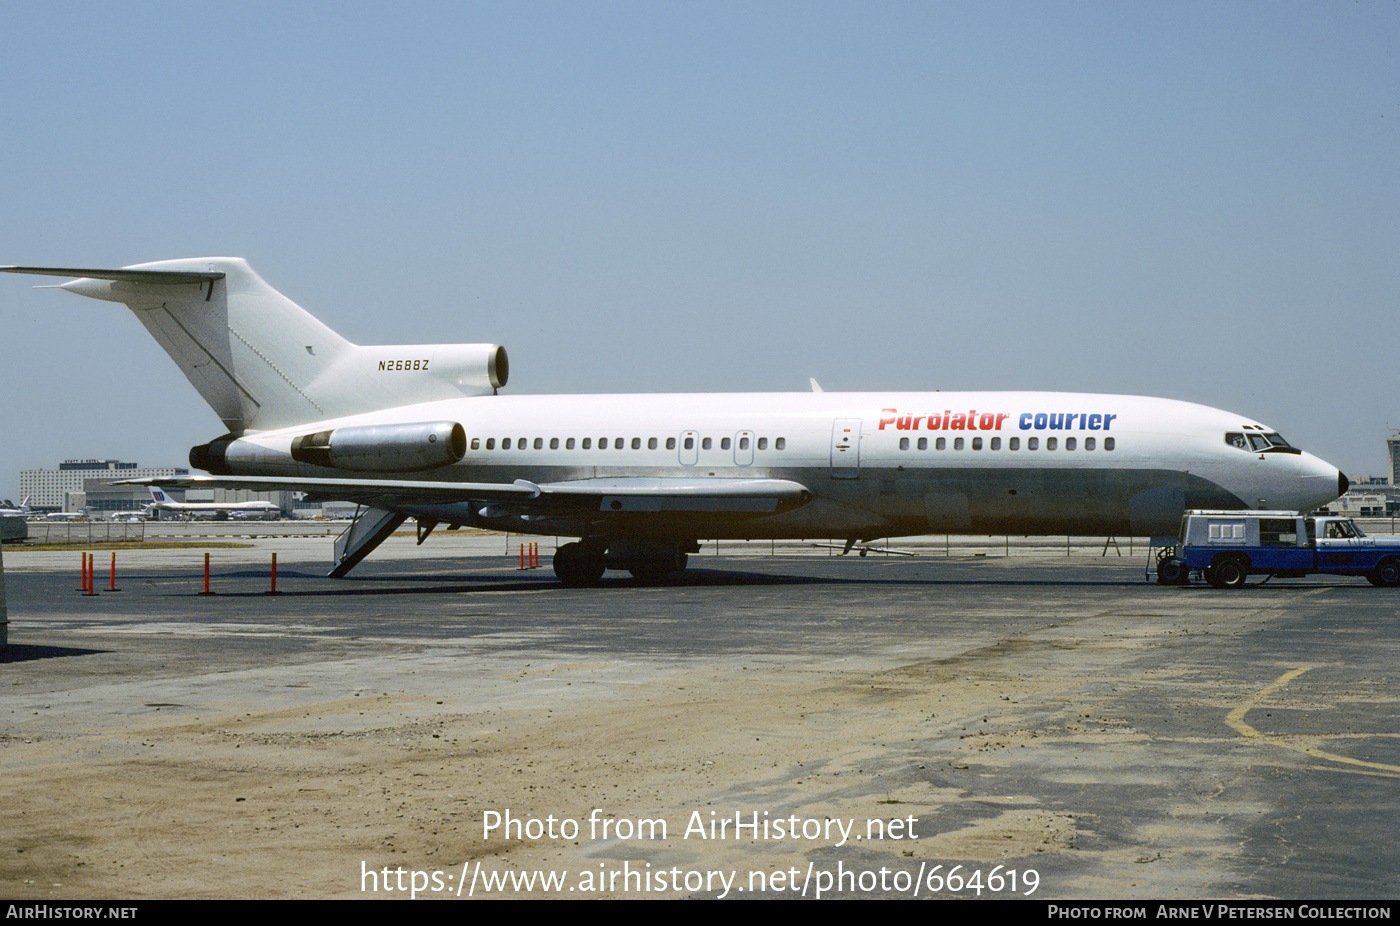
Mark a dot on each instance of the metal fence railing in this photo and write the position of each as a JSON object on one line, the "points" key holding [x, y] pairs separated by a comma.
{"points": [[86, 531]]}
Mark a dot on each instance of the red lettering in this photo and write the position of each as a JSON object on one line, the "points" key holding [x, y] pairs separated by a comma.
{"points": [[971, 420]]}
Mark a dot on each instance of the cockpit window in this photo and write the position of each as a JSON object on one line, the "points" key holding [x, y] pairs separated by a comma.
{"points": [[1257, 442]]}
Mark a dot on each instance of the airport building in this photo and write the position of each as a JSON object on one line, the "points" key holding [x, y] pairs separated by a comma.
{"points": [[1373, 496], [87, 487], [63, 489], [1365, 502]]}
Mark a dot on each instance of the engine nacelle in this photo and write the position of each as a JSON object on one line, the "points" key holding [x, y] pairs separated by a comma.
{"points": [[467, 369], [384, 448]]}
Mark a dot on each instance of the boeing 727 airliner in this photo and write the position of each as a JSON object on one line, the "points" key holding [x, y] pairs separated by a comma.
{"points": [[421, 432], [160, 501]]}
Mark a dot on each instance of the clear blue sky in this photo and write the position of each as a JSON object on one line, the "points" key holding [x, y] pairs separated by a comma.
{"points": [[1194, 200]]}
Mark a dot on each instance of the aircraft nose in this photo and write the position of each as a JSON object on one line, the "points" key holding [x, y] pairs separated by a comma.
{"points": [[1320, 483]]}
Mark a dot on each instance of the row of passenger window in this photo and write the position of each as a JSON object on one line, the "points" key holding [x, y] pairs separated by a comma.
{"points": [[1014, 443], [621, 443]]}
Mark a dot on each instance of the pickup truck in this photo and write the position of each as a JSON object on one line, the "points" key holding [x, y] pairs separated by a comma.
{"points": [[1230, 546]]}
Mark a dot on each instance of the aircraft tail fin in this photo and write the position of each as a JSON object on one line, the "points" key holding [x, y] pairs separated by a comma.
{"points": [[263, 362]]}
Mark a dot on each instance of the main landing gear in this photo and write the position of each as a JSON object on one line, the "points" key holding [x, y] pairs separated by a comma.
{"points": [[581, 564], [578, 565]]}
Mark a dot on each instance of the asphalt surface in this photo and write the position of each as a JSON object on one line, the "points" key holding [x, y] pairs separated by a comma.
{"points": [[1183, 742]]}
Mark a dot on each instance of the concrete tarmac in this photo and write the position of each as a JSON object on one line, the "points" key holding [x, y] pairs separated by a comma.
{"points": [[873, 727]]}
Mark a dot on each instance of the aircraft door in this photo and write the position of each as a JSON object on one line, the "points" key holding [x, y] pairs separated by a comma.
{"points": [[743, 448], [845, 448], [690, 448]]}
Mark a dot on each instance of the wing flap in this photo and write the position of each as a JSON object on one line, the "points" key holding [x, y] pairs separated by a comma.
{"points": [[594, 497]]}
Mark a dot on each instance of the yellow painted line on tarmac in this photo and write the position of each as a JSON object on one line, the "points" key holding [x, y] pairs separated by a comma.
{"points": [[1235, 720]]}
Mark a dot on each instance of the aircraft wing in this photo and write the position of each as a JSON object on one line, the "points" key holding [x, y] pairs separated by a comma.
{"points": [[590, 498]]}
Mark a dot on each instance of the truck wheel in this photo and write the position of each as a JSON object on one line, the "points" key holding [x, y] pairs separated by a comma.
{"points": [[1386, 574], [1172, 572], [1228, 573]]}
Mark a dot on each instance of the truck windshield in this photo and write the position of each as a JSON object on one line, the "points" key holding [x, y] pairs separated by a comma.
{"points": [[1342, 530]]}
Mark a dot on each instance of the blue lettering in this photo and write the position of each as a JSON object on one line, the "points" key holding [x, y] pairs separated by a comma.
{"points": [[1054, 421]]}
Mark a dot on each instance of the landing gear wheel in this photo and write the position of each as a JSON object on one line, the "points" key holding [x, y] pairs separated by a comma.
{"points": [[578, 565], [1386, 574], [1173, 572], [1228, 573]]}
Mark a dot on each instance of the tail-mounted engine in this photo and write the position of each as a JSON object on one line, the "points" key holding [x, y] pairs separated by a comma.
{"points": [[377, 448], [423, 371], [384, 448]]}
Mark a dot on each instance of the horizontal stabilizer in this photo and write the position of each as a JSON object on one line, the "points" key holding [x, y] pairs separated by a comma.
{"points": [[148, 277]]}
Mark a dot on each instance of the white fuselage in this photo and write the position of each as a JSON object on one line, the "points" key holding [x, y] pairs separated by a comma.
{"points": [[160, 501], [877, 464]]}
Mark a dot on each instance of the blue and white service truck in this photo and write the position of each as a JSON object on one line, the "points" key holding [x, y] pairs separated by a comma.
{"points": [[1230, 546]]}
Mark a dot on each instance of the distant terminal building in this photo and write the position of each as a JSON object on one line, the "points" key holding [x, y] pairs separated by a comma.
{"points": [[63, 489], [1361, 503], [86, 486], [1373, 496], [1367, 497]]}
